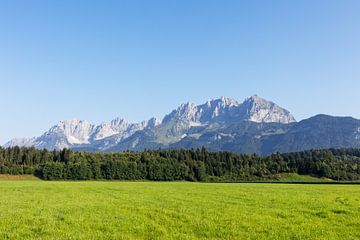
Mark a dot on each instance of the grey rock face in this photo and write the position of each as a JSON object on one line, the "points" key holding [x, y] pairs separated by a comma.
{"points": [[25, 142], [173, 128], [256, 109], [75, 132]]}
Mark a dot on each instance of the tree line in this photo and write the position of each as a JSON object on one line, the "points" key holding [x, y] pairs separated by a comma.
{"points": [[171, 165]]}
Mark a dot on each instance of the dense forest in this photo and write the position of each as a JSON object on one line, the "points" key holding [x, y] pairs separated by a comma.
{"points": [[170, 165]]}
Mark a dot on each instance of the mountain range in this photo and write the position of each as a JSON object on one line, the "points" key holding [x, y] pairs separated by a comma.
{"points": [[252, 126]]}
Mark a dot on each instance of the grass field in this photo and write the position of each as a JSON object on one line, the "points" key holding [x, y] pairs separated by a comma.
{"points": [[293, 177], [177, 210], [17, 177]]}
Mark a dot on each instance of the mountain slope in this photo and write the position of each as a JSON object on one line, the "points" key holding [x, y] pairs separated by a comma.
{"points": [[23, 142], [78, 133], [256, 109], [320, 131], [253, 126], [241, 137], [205, 120]]}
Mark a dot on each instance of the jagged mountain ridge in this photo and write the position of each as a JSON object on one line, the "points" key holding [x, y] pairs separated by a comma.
{"points": [[253, 126], [253, 109], [74, 132], [213, 114], [82, 134]]}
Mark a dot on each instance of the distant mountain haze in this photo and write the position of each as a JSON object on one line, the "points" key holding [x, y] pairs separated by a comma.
{"points": [[253, 126]]}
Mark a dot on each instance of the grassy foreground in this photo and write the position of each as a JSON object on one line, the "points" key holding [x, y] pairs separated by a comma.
{"points": [[17, 177], [177, 210]]}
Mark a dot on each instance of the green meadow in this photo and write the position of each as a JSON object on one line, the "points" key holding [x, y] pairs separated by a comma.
{"points": [[31, 209]]}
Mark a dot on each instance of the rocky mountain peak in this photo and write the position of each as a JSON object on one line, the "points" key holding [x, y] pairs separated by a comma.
{"points": [[174, 126], [221, 102], [217, 109], [228, 101], [257, 109], [118, 122], [23, 142], [186, 112], [73, 131]]}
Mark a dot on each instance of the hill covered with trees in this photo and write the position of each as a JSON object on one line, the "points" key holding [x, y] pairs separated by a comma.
{"points": [[171, 165]]}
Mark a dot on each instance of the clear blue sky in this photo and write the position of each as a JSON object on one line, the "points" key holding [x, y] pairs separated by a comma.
{"points": [[96, 60]]}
